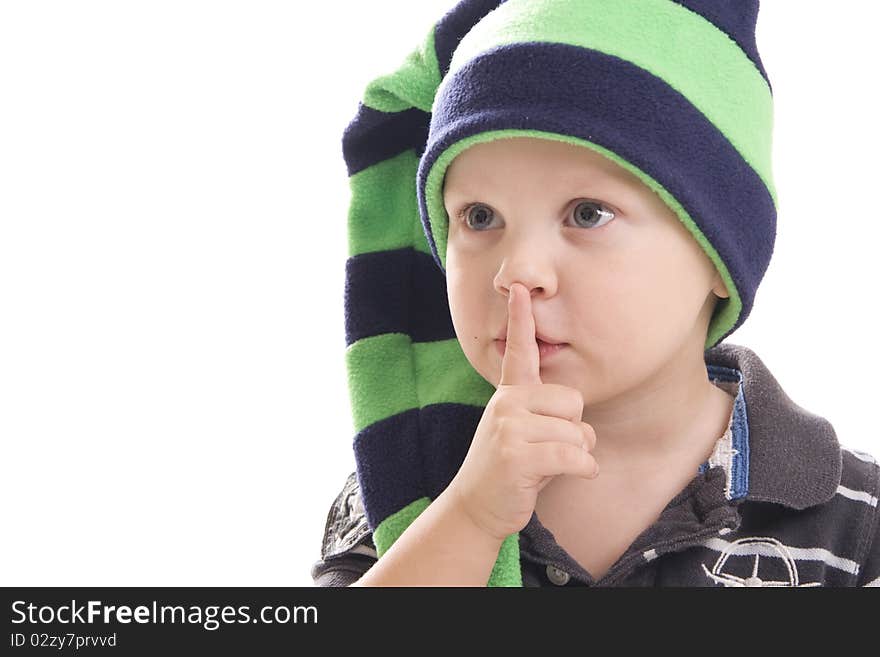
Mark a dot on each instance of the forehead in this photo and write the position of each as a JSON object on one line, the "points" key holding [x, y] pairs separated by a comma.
{"points": [[495, 163]]}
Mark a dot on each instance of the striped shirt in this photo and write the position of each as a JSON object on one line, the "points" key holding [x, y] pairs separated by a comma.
{"points": [[780, 502]]}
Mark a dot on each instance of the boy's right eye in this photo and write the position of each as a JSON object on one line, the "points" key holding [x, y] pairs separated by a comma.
{"points": [[465, 214]]}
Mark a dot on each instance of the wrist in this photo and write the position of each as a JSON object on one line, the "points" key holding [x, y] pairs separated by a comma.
{"points": [[457, 507]]}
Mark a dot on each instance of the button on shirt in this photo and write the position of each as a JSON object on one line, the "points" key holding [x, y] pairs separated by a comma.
{"points": [[557, 575]]}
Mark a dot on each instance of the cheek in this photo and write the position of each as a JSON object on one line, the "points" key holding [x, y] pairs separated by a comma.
{"points": [[641, 299], [676, 278], [615, 302], [467, 304], [471, 321], [606, 310]]}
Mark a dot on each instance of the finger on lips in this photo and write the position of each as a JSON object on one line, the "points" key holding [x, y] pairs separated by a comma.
{"points": [[521, 363]]}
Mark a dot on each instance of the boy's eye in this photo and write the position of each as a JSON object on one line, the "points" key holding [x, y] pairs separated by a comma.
{"points": [[478, 216], [587, 214]]}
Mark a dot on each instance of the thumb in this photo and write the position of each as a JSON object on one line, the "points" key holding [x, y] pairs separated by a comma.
{"points": [[521, 363]]}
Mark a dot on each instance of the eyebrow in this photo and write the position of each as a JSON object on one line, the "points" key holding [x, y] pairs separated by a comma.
{"points": [[571, 180]]}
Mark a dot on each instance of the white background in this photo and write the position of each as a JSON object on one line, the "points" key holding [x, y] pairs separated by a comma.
{"points": [[173, 205]]}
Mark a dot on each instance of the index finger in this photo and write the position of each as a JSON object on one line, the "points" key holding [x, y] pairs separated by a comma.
{"points": [[521, 363]]}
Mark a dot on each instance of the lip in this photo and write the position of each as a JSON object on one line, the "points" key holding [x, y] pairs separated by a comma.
{"points": [[545, 349], [538, 336]]}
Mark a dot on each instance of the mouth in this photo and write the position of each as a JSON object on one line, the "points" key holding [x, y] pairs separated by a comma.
{"points": [[538, 338], [545, 349]]}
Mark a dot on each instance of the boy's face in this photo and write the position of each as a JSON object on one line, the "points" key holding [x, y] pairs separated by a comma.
{"points": [[628, 291]]}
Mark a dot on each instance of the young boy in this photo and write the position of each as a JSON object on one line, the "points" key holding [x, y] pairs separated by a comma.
{"points": [[538, 388]]}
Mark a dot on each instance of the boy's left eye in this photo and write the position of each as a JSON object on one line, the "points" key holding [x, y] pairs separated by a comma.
{"points": [[587, 213]]}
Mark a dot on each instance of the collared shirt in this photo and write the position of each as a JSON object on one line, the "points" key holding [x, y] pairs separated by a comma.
{"points": [[780, 502]]}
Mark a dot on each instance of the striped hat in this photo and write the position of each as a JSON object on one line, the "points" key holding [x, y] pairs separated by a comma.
{"points": [[674, 91]]}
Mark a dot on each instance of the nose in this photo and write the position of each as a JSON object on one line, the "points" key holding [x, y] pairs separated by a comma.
{"points": [[531, 265]]}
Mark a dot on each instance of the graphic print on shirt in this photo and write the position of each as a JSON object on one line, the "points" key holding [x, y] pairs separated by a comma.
{"points": [[749, 545]]}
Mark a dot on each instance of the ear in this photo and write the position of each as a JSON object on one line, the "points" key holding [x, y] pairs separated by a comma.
{"points": [[719, 288]]}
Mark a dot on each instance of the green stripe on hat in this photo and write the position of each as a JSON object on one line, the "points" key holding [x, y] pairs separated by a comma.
{"points": [[413, 84], [383, 214], [389, 374]]}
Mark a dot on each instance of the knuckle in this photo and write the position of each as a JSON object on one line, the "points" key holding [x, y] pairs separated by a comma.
{"points": [[589, 435], [506, 454], [582, 434], [561, 451], [592, 465]]}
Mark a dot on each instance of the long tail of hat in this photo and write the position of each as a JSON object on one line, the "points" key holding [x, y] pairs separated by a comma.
{"points": [[416, 401]]}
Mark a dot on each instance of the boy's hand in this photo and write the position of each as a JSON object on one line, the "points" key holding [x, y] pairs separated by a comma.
{"points": [[529, 433]]}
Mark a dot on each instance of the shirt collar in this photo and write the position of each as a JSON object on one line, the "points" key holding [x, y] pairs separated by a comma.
{"points": [[773, 450]]}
